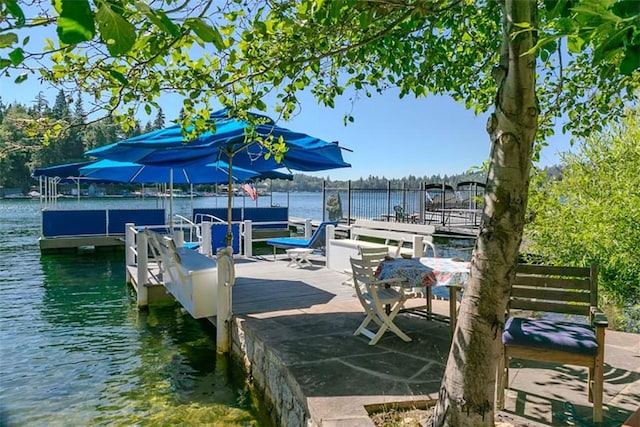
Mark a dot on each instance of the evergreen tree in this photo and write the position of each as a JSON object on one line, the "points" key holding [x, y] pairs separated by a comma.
{"points": [[75, 146], [60, 110], [40, 105], [101, 133], [158, 122], [16, 148], [79, 115]]}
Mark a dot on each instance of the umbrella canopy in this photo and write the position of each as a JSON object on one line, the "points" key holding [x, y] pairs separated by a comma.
{"points": [[128, 172], [67, 173], [273, 175], [61, 171], [228, 143]]}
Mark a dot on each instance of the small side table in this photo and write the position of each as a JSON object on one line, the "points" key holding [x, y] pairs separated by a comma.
{"points": [[299, 257]]}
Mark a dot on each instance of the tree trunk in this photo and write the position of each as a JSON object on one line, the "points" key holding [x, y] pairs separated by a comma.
{"points": [[467, 392]]}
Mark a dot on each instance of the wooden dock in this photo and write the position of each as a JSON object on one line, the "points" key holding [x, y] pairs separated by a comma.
{"points": [[265, 285]]}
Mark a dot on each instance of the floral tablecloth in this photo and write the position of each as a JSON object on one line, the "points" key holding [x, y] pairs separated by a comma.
{"points": [[416, 273], [447, 271]]}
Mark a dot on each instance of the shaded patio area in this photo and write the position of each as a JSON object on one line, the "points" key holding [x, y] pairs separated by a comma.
{"points": [[305, 319]]}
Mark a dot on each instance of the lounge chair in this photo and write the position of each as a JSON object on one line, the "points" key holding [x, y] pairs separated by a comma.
{"points": [[317, 239]]}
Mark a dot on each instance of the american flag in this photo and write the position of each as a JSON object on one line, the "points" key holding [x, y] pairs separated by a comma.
{"points": [[250, 190]]}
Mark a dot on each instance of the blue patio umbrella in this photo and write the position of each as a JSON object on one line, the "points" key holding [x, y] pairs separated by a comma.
{"points": [[128, 172], [228, 143], [68, 173], [60, 171]]}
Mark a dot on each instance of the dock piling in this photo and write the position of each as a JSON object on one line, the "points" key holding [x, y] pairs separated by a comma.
{"points": [[205, 247], [226, 279], [142, 250], [130, 257]]}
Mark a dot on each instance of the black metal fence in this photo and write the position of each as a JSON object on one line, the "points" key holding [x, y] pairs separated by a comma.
{"points": [[429, 204]]}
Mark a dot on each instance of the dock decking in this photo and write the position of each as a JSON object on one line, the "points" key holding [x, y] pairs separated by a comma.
{"points": [[305, 319], [264, 284]]}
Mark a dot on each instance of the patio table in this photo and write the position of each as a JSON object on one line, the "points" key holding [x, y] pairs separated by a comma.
{"points": [[417, 274], [451, 273], [429, 273]]}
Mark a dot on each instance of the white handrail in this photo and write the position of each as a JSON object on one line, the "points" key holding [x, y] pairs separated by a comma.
{"points": [[194, 229]]}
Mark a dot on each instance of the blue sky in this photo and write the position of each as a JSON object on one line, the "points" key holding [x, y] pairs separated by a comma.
{"points": [[390, 137]]}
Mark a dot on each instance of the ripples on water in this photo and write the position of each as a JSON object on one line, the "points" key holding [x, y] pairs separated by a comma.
{"points": [[76, 352]]}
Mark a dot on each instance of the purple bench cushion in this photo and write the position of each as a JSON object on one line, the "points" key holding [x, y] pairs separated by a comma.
{"points": [[544, 334]]}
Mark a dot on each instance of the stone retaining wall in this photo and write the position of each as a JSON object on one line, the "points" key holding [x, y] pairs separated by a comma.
{"points": [[270, 377]]}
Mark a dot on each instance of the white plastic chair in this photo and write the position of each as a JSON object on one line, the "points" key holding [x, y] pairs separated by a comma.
{"points": [[374, 296]]}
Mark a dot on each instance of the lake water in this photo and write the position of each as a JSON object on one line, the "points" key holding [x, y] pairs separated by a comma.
{"points": [[75, 351]]}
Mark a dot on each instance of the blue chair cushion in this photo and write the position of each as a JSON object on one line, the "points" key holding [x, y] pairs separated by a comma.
{"points": [[570, 337], [289, 242]]}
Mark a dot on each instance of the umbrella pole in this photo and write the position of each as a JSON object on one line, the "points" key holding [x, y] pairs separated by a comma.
{"points": [[229, 202], [171, 200]]}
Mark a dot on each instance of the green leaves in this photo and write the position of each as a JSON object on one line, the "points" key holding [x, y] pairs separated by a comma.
{"points": [[606, 31], [14, 10], [159, 18], [589, 213], [21, 77], [118, 34], [631, 60], [16, 56], [75, 23], [206, 32], [8, 39]]}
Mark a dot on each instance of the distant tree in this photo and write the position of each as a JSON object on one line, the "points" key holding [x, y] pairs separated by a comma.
{"points": [[40, 105], [158, 122], [79, 114], [60, 109], [16, 148], [75, 146], [100, 133]]}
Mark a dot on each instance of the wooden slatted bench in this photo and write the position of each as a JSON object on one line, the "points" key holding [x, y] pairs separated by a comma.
{"points": [[529, 335]]}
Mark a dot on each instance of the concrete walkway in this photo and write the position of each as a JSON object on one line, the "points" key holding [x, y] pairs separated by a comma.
{"points": [[341, 376]]}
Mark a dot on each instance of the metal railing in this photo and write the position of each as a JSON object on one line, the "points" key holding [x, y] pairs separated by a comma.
{"points": [[429, 204]]}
